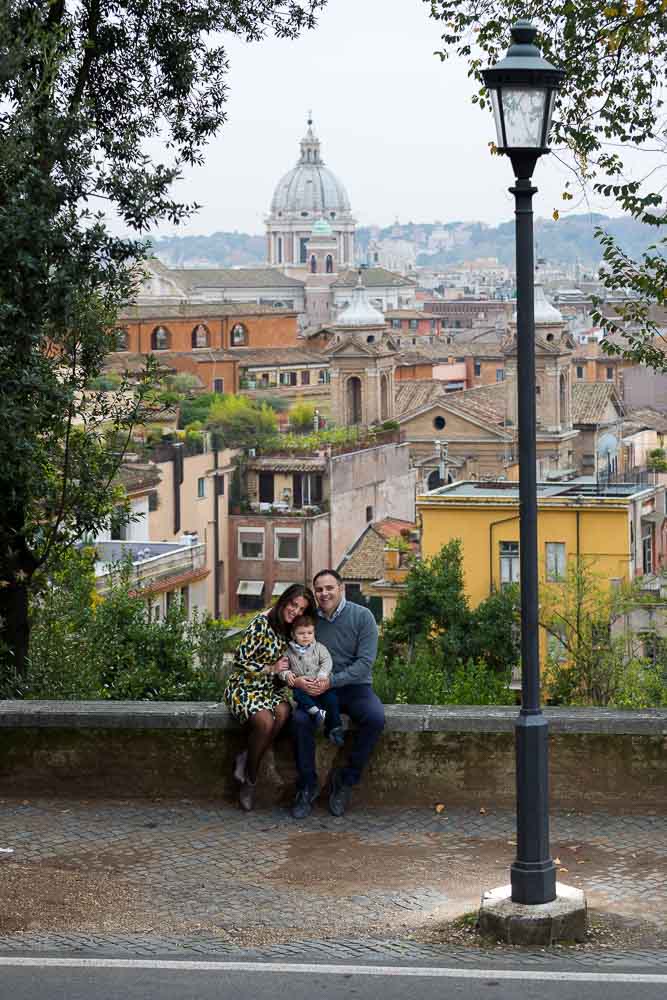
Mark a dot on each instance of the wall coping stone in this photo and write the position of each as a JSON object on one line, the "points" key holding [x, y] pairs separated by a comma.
{"points": [[400, 718]]}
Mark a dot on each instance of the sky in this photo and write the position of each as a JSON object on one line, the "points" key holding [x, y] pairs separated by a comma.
{"points": [[396, 125]]}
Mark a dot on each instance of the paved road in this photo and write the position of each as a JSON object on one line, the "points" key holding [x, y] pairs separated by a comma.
{"points": [[124, 980], [137, 871]]}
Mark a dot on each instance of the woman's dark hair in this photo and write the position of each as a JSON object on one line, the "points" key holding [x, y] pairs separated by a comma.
{"points": [[275, 615]]}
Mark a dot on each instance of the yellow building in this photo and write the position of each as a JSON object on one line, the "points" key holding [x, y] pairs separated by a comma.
{"points": [[618, 527]]}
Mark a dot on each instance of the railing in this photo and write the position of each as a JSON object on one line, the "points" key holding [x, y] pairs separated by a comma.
{"points": [[150, 561]]}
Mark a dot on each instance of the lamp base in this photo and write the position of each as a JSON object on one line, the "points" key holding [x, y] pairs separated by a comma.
{"points": [[564, 919]]}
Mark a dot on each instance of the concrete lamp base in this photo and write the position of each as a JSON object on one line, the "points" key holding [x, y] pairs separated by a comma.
{"points": [[544, 923]]}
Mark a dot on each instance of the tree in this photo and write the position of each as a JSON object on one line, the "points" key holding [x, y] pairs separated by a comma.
{"points": [[592, 656], [85, 88], [302, 417], [615, 56], [240, 422], [434, 612]]}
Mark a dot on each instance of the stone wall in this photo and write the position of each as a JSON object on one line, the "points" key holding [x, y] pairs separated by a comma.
{"points": [[600, 759]]}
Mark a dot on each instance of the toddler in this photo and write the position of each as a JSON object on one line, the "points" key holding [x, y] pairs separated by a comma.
{"points": [[308, 658]]}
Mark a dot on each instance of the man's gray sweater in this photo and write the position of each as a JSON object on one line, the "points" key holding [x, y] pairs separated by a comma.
{"points": [[352, 640]]}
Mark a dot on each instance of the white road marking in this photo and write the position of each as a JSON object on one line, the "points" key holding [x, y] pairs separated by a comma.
{"points": [[294, 968]]}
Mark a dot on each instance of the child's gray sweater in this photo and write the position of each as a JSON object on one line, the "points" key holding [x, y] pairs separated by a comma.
{"points": [[313, 662]]}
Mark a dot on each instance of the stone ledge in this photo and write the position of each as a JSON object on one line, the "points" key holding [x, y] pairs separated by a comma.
{"points": [[400, 718]]}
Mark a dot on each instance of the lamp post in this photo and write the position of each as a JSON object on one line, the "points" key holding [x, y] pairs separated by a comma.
{"points": [[523, 86]]}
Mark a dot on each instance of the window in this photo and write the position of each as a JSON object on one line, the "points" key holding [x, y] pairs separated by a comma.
{"points": [[201, 487], [439, 423], [218, 385], [305, 378], [153, 500], [287, 544], [580, 371], [303, 249], [509, 563], [251, 543], [160, 338], [239, 335], [432, 325], [647, 548], [396, 324], [323, 376], [306, 489], [280, 249], [313, 264], [500, 374], [220, 485], [329, 264], [557, 643], [200, 337], [478, 368], [413, 324], [369, 514], [610, 374], [172, 598], [121, 340], [185, 599], [287, 378], [556, 561]]}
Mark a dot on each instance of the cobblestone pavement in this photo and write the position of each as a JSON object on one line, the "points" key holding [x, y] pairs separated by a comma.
{"points": [[185, 876]]}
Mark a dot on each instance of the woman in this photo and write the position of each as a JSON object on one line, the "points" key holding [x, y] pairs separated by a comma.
{"points": [[253, 694]]}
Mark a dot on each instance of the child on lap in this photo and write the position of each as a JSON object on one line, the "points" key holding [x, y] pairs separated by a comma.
{"points": [[308, 658]]}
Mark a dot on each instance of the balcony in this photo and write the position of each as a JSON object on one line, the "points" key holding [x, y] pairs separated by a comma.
{"points": [[280, 508], [152, 563]]}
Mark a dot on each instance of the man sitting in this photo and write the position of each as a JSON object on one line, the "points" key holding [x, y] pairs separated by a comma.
{"points": [[350, 634]]}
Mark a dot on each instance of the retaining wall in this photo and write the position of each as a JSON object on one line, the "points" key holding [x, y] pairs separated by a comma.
{"points": [[599, 758]]}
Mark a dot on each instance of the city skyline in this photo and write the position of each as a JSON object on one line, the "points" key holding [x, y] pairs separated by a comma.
{"points": [[396, 125]]}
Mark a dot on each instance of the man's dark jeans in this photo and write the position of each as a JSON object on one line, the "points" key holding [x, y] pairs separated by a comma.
{"points": [[365, 709], [328, 702]]}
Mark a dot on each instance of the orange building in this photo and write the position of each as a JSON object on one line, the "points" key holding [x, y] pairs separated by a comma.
{"points": [[178, 327], [196, 338]]}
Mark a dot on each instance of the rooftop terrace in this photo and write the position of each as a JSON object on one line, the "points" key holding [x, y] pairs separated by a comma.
{"points": [[570, 490]]}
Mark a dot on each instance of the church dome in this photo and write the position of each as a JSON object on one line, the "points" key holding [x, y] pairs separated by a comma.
{"points": [[360, 312], [310, 187]]}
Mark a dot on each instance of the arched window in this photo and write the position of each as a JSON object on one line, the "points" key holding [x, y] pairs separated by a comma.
{"points": [[329, 264], [160, 339], [121, 340], [313, 264], [239, 335], [384, 397], [353, 400], [200, 336]]}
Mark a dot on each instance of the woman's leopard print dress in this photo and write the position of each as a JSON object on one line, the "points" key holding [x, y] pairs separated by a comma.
{"points": [[248, 690]]}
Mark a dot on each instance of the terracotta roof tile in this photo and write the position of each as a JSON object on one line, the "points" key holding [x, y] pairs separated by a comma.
{"points": [[590, 401]]}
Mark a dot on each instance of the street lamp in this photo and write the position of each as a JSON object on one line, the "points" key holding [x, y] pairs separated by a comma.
{"points": [[523, 86]]}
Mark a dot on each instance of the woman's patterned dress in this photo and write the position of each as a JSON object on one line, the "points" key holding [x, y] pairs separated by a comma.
{"points": [[248, 690]]}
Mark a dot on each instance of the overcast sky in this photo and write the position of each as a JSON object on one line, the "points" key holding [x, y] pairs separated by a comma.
{"points": [[396, 125]]}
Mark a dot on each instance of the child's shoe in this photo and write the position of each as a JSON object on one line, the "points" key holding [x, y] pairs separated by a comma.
{"points": [[318, 714], [337, 736]]}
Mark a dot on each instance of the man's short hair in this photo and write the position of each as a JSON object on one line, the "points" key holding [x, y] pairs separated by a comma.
{"points": [[328, 572]]}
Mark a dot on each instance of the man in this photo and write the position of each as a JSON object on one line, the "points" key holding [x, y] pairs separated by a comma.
{"points": [[350, 634]]}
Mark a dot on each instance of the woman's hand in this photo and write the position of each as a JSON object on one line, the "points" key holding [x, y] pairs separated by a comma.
{"points": [[290, 678], [277, 667]]}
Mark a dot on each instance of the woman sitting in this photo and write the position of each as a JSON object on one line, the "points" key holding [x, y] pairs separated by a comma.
{"points": [[253, 694]]}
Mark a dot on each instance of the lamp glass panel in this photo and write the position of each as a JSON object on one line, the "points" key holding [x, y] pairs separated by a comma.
{"points": [[550, 111], [495, 103], [523, 111]]}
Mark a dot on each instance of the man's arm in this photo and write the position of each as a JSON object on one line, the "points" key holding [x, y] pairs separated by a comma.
{"points": [[359, 670]]}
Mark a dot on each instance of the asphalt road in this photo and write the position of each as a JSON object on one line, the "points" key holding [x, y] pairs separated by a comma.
{"points": [[113, 979]]}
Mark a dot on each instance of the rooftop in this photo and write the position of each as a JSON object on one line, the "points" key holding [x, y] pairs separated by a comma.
{"points": [[505, 490]]}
